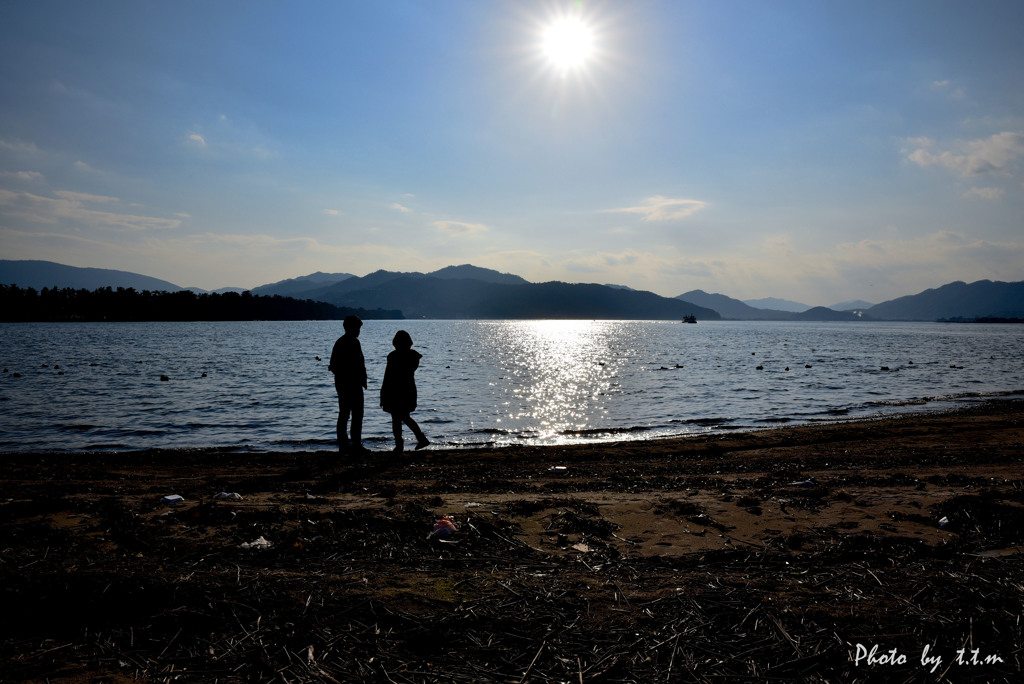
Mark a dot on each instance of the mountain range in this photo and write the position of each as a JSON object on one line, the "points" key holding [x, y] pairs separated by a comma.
{"points": [[468, 291], [778, 304], [959, 300], [40, 274], [286, 288], [472, 292], [742, 311]]}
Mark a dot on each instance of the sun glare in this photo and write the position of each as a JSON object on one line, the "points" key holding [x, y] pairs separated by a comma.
{"points": [[568, 43]]}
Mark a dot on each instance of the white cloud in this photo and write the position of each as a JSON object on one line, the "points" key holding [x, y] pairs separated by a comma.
{"points": [[919, 142], [946, 86], [659, 208], [226, 138], [84, 197], [19, 146], [530, 264], [994, 155], [82, 166], [984, 193], [261, 240], [951, 256], [24, 243], [781, 266], [603, 261], [332, 212], [68, 207], [664, 268], [890, 268], [262, 152], [459, 228], [251, 260], [401, 208], [27, 176], [204, 260]]}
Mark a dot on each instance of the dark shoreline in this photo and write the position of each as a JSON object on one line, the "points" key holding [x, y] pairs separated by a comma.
{"points": [[1008, 403], [963, 408]]}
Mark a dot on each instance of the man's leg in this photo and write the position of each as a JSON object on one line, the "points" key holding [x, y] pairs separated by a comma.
{"points": [[342, 427], [356, 407], [357, 424]]}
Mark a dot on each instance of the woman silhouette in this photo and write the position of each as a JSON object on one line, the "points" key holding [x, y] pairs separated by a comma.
{"points": [[398, 390]]}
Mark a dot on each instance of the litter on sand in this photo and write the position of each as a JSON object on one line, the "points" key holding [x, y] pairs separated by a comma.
{"points": [[445, 527], [259, 544]]}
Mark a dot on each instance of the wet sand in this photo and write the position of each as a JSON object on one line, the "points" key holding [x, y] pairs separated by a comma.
{"points": [[782, 554]]}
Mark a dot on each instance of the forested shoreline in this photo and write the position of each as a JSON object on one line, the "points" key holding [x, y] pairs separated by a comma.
{"points": [[19, 304]]}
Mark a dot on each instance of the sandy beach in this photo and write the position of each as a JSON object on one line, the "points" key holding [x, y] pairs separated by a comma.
{"points": [[886, 550]]}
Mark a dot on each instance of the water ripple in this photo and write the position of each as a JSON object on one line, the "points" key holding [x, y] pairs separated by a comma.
{"points": [[260, 385]]}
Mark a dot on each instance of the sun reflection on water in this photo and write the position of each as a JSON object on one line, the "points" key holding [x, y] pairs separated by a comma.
{"points": [[556, 378]]}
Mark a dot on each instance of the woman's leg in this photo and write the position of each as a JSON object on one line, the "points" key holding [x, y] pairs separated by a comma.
{"points": [[396, 430], [421, 439]]}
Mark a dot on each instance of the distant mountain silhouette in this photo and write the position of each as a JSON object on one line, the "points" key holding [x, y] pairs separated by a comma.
{"points": [[469, 291], [470, 272], [40, 274], [983, 298], [336, 291], [823, 313], [421, 296], [289, 287], [734, 308], [741, 311], [776, 304], [855, 305]]}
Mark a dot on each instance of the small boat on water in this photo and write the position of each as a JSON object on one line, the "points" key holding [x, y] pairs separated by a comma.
{"points": [[689, 319]]}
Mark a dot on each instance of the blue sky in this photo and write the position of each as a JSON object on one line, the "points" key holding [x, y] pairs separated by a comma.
{"points": [[816, 151]]}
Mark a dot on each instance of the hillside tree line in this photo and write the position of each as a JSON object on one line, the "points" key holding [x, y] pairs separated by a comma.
{"points": [[126, 304]]}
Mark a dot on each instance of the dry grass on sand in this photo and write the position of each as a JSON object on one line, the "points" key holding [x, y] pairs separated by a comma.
{"points": [[778, 555]]}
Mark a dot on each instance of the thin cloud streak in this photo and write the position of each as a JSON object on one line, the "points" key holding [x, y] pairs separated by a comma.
{"points": [[459, 227], [991, 194], [659, 208], [69, 207], [994, 155]]}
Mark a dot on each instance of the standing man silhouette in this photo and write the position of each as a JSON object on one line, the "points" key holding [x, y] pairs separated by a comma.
{"points": [[349, 370]]}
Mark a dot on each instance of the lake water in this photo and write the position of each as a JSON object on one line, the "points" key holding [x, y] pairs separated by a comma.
{"points": [[260, 385]]}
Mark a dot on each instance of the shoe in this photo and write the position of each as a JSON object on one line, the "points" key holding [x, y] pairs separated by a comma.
{"points": [[358, 450], [422, 442]]}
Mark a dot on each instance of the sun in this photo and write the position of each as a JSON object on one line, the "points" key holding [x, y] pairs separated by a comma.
{"points": [[568, 43]]}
